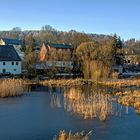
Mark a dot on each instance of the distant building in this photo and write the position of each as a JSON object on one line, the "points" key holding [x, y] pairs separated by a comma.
{"points": [[55, 55], [131, 57], [47, 49], [10, 62]]}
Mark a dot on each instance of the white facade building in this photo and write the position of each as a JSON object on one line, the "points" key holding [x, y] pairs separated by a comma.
{"points": [[13, 67], [10, 62]]}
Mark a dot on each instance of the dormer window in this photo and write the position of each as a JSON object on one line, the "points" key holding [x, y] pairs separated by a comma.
{"points": [[3, 63], [12, 63]]}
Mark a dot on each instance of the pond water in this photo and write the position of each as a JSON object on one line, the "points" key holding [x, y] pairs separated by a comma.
{"points": [[45, 111]]}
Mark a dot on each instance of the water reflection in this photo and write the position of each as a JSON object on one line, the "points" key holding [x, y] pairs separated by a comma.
{"points": [[55, 101], [88, 102], [32, 117]]}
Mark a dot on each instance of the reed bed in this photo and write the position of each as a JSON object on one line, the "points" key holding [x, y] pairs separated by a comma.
{"points": [[12, 87], [63, 82], [73, 136], [120, 82], [88, 106], [130, 98], [115, 83]]}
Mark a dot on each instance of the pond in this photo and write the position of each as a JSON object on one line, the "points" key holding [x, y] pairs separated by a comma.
{"points": [[41, 114]]}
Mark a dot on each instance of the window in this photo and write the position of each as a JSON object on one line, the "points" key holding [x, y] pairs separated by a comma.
{"points": [[12, 63], [14, 69], [3, 63], [3, 70], [116, 70], [16, 63], [129, 61]]}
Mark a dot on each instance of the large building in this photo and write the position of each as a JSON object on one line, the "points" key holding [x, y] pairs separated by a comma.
{"points": [[56, 52], [59, 55], [54, 55], [10, 62]]}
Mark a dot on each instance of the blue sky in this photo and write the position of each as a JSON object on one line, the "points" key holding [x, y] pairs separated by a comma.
{"points": [[91, 16]]}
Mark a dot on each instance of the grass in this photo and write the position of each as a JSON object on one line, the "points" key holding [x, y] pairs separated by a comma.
{"points": [[12, 87], [63, 82], [72, 136], [120, 82], [115, 83]]}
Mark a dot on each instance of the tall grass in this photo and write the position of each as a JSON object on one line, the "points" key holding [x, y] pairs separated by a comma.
{"points": [[120, 82], [72, 136], [12, 87], [63, 82], [130, 98]]}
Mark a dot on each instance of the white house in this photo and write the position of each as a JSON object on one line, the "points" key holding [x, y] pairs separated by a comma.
{"points": [[10, 62]]}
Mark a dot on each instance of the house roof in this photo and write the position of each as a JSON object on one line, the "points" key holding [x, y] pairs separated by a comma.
{"points": [[59, 46], [8, 53], [9, 41]]}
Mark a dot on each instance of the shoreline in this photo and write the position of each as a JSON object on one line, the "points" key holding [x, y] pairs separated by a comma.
{"points": [[115, 83]]}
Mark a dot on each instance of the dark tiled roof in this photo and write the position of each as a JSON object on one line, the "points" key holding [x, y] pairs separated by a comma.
{"points": [[59, 46], [9, 41], [8, 53]]}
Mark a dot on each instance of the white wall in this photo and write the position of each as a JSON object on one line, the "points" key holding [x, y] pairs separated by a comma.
{"points": [[61, 64], [13, 69]]}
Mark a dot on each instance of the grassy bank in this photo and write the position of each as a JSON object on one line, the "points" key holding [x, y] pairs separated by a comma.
{"points": [[116, 83], [65, 82], [12, 87], [120, 82]]}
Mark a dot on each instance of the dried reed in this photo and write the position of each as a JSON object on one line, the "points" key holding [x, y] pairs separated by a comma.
{"points": [[73, 136], [12, 87]]}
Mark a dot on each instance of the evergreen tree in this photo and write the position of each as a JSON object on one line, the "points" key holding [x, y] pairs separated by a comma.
{"points": [[117, 45]]}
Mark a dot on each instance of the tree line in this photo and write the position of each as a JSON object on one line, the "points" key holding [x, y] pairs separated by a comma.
{"points": [[93, 54]]}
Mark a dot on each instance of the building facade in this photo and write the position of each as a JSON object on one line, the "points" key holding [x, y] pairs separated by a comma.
{"points": [[10, 62], [57, 58], [57, 55], [131, 57]]}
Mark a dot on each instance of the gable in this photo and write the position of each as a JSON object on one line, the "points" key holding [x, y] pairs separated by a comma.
{"points": [[42, 54], [2, 42]]}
